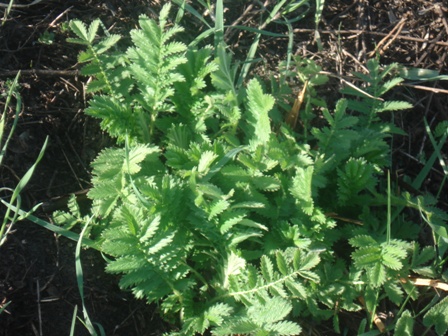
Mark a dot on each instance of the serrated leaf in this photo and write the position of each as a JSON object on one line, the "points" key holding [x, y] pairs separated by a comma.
{"points": [[251, 223], [392, 262], [151, 230], [129, 218], [366, 256], [278, 291], [93, 28], [218, 207], [80, 30], [394, 106], [301, 189], [362, 241], [161, 244], [90, 69], [206, 160], [244, 327], [285, 328], [242, 236], [394, 293], [389, 85], [297, 289], [232, 266], [267, 269], [96, 85], [259, 104], [273, 310], [73, 206], [125, 264], [281, 263], [136, 155], [376, 274], [309, 261], [217, 312], [64, 219], [405, 324], [106, 43], [266, 183], [210, 190], [229, 223], [437, 316], [309, 275]]}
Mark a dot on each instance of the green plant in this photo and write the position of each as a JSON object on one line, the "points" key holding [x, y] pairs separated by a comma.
{"points": [[234, 223], [11, 217], [46, 38], [13, 201]]}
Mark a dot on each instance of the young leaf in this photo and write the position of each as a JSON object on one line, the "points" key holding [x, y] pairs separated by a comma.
{"points": [[259, 104]]}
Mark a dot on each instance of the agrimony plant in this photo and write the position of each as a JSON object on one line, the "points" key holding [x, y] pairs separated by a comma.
{"points": [[234, 223]]}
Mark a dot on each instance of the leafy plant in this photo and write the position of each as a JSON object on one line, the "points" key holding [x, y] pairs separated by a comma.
{"points": [[230, 221]]}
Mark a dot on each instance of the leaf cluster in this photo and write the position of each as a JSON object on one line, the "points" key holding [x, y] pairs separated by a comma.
{"points": [[226, 217]]}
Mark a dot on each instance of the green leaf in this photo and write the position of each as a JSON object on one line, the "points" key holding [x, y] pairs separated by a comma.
{"points": [[217, 208], [150, 230], [437, 316], [266, 183], [392, 262], [224, 77], [233, 265], [394, 292], [377, 274], [362, 241], [267, 269], [106, 43], [310, 276], [217, 313], [136, 155], [272, 310], [309, 261], [259, 104], [285, 328], [296, 289], [93, 30], [206, 160], [281, 264], [301, 189], [405, 324], [80, 30], [393, 106]]}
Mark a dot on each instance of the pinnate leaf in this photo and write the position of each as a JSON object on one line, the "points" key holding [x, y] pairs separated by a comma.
{"points": [[259, 104]]}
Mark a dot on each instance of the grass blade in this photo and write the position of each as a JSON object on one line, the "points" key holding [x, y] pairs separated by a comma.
{"points": [[16, 196], [219, 23], [194, 12], [54, 228], [16, 115], [72, 327], [80, 279], [319, 9], [4, 306]]}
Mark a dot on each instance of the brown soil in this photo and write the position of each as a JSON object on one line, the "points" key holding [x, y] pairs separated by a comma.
{"points": [[37, 268]]}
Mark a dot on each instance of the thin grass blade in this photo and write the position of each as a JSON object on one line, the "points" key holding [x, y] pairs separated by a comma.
{"points": [[219, 23], [16, 115], [80, 279], [72, 326]]}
